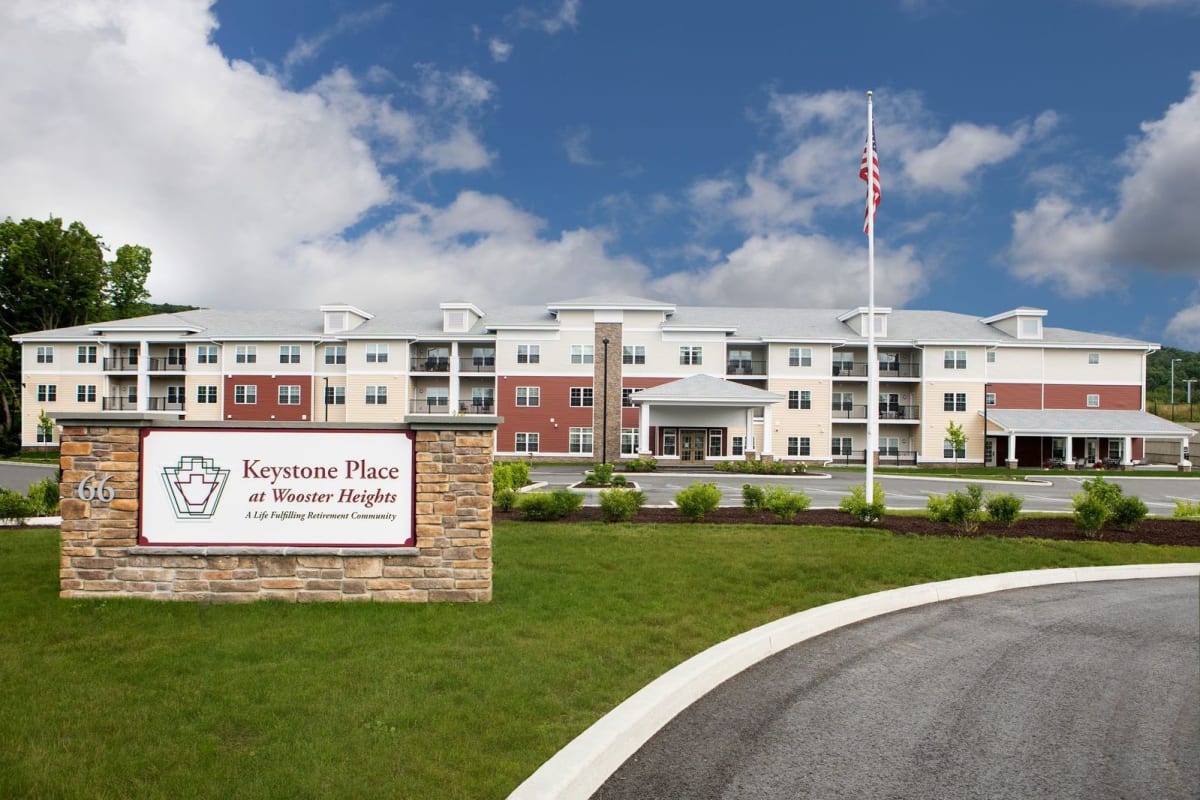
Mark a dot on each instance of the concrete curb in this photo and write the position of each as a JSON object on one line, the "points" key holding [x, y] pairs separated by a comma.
{"points": [[31, 522], [581, 767]]}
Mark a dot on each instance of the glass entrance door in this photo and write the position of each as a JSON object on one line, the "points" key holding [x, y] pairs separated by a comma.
{"points": [[691, 445]]}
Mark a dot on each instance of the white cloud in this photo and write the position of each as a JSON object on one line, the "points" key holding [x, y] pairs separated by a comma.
{"points": [[307, 48], [793, 270], [575, 143], [966, 149], [1184, 328], [500, 49], [1083, 250]]}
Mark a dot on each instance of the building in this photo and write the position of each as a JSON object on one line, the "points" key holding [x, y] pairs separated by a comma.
{"points": [[620, 377]]}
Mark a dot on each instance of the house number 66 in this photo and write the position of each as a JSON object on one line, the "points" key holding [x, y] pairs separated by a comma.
{"points": [[95, 491]]}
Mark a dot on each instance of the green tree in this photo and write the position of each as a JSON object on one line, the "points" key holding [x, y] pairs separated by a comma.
{"points": [[958, 440], [125, 282]]}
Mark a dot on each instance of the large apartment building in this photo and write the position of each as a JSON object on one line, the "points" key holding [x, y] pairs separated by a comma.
{"points": [[620, 377]]}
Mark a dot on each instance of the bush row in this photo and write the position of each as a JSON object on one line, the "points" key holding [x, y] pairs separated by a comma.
{"points": [[762, 467], [40, 501]]}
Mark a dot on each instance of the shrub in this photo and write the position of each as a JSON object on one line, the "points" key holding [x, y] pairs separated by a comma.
{"points": [[1004, 508], [961, 509], [753, 497], [1090, 513], [504, 499], [856, 504], [697, 500], [1187, 508], [785, 503], [15, 506], [542, 506], [620, 505], [510, 475], [1128, 513], [641, 465], [603, 473], [619, 482]]}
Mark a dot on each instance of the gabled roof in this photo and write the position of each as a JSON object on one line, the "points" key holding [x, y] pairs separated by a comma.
{"points": [[612, 302], [705, 390], [1084, 422]]}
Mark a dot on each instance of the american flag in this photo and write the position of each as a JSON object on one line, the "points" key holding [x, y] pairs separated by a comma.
{"points": [[872, 179]]}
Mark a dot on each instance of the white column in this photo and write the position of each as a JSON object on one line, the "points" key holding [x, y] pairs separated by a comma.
{"points": [[751, 445], [1012, 448], [644, 429], [453, 378], [143, 376], [766, 449], [1127, 452], [1067, 457], [1183, 448]]}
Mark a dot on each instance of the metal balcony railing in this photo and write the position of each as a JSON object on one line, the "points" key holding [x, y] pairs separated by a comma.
{"points": [[430, 364], [438, 405], [887, 371], [850, 412], [166, 364], [119, 364], [745, 366], [118, 404], [477, 364], [850, 457], [900, 412], [164, 404]]}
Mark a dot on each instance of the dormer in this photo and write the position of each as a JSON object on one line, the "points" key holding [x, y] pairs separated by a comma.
{"points": [[459, 317], [857, 320], [1020, 323], [340, 318]]}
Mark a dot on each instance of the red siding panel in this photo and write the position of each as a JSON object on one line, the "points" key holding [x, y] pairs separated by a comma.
{"points": [[267, 407], [1120, 398], [553, 437]]}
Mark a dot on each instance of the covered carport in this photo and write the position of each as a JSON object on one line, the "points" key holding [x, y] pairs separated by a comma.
{"points": [[1078, 438]]}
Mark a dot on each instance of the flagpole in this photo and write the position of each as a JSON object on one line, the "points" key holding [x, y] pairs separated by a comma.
{"points": [[872, 359]]}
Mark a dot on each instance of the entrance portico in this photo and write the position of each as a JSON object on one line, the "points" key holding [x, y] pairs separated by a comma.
{"points": [[694, 411], [1074, 437]]}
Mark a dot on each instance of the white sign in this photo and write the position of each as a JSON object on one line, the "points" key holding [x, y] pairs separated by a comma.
{"points": [[277, 488]]}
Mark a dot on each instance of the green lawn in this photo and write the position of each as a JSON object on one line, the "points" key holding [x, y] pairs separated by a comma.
{"points": [[124, 698]]}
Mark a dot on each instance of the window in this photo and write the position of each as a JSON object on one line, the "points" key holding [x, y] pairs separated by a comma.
{"points": [[335, 395], [131, 394], [176, 356], [842, 445], [1116, 448], [289, 395], [529, 396], [889, 446], [376, 396], [377, 353], [799, 356], [246, 354], [737, 445], [245, 395], [437, 397], [1058, 448], [44, 436], [529, 354], [990, 398], [629, 441], [669, 437], [85, 393], [483, 357], [483, 398], [580, 440], [954, 401], [799, 446], [581, 395], [206, 395], [889, 362], [86, 354], [793, 398], [289, 354], [715, 444], [1093, 401], [526, 443], [175, 395], [583, 354], [1093, 358], [955, 359], [633, 354], [741, 362], [948, 450], [206, 354], [335, 354], [991, 356], [805, 399], [691, 355], [843, 401], [627, 397], [45, 355], [47, 392], [1031, 328], [843, 363]]}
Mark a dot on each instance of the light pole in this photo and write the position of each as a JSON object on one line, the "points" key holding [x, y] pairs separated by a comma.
{"points": [[604, 408], [1173, 360], [1189, 383]]}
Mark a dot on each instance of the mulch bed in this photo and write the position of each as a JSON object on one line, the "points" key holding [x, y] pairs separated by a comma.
{"points": [[1151, 531]]}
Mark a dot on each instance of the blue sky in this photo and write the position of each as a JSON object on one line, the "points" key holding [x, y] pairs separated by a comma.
{"points": [[285, 154]]}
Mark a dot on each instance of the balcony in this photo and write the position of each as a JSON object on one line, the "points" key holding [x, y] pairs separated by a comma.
{"points": [[477, 364], [120, 365], [745, 366], [887, 371], [430, 364], [169, 364], [850, 412], [887, 458], [442, 406], [118, 403], [908, 413], [164, 404]]}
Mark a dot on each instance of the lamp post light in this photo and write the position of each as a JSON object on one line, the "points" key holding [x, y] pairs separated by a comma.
{"points": [[1173, 360], [604, 408]]}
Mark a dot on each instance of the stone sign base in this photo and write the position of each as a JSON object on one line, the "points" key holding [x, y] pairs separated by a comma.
{"points": [[452, 559]]}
